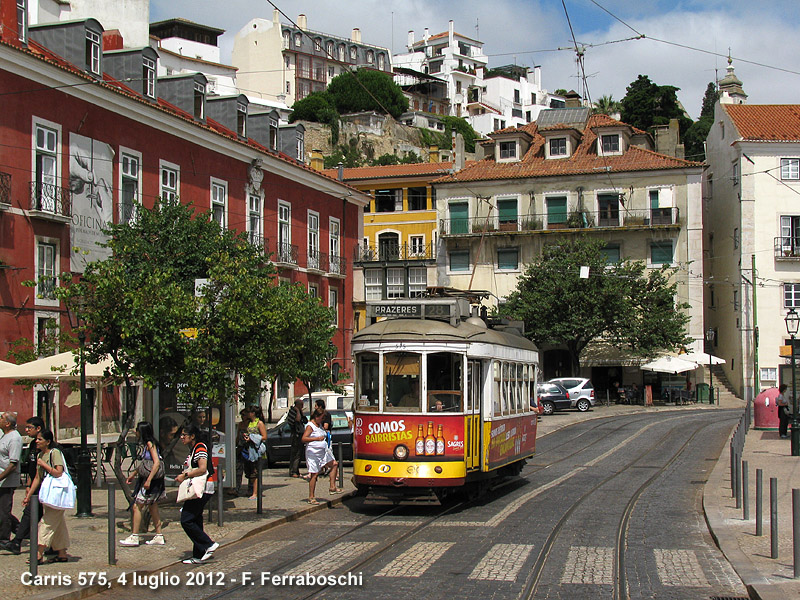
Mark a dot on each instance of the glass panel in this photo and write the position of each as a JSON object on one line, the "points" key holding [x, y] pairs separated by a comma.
{"points": [[402, 376], [508, 258], [507, 211], [661, 253]]}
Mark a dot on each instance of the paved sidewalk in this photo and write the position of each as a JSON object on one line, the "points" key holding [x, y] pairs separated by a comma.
{"points": [[284, 497]]}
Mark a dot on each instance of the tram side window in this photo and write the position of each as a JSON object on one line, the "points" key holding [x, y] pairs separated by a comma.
{"points": [[402, 372], [496, 390], [445, 382], [368, 381]]}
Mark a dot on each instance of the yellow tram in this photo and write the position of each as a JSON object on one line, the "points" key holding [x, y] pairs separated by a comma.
{"points": [[444, 399]]}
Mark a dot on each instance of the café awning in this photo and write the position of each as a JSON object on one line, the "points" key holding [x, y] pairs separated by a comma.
{"points": [[670, 364], [64, 366]]}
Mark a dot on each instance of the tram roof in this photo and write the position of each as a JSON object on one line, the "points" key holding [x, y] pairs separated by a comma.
{"points": [[430, 330]]}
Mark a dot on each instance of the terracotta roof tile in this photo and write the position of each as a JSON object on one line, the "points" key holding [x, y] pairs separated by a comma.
{"points": [[584, 160], [766, 122], [389, 171]]}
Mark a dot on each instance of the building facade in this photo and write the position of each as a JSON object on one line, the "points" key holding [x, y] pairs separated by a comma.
{"points": [[571, 173], [78, 147]]}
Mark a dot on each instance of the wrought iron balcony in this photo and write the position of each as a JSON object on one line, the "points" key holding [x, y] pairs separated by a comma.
{"points": [[616, 217], [337, 265], [258, 240], [285, 254], [5, 189], [49, 200], [787, 248], [366, 253]]}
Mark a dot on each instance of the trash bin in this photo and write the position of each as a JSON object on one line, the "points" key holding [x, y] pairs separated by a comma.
{"points": [[702, 392], [765, 411]]}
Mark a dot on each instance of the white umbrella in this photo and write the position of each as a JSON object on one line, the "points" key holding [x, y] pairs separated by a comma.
{"points": [[703, 358], [665, 364], [58, 366]]}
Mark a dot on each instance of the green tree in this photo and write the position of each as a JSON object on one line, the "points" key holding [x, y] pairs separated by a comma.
{"points": [[622, 303], [460, 125], [696, 135], [606, 105], [647, 104], [318, 107], [367, 89]]}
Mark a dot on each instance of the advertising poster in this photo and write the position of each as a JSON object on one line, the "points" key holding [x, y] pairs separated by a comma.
{"points": [[511, 438], [91, 173], [419, 438]]}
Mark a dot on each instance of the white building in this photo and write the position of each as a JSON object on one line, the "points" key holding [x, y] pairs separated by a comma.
{"points": [[751, 191], [489, 99]]}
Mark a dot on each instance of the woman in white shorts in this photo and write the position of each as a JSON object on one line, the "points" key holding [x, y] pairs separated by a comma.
{"points": [[319, 455]]}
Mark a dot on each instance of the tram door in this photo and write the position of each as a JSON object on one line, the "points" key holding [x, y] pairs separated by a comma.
{"points": [[473, 426]]}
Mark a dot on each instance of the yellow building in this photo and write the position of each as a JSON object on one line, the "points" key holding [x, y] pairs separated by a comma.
{"points": [[397, 255]]}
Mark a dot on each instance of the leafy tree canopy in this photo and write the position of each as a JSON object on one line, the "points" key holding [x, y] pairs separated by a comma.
{"points": [[606, 105], [625, 304], [696, 134], [367, 89], [647, 104]]}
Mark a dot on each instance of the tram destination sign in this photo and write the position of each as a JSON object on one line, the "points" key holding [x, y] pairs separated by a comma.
{"points": [[407, 310]]}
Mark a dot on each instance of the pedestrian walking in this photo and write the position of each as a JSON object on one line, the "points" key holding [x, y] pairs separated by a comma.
{"points": [[241, 449], [149, 489], [10, 452], [53, 530], [783, 411], [255, 436], [297, 423], [327, 420], [32, 428], [319, 455], [198, 463]]}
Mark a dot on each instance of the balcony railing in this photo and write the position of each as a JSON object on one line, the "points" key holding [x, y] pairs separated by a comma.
{"points": [[392, 252], [5, 188], [787, 248], [258, 240], [337, 265], [51, 199], [649, 217], [285, 254]]}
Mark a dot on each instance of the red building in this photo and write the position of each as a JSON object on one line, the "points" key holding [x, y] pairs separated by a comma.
{"points": [[86, 129]]}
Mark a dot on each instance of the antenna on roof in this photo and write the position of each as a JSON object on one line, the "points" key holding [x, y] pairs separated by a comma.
{"points": [[477, 29]]}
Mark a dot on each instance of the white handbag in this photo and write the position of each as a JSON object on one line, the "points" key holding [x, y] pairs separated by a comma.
{"points": [[58, 492], [192, 488]]}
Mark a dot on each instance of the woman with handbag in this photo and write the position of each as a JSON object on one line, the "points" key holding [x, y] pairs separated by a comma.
{"points": [[53, 528], [196, 491], [149, 489], [255, 435], [319, 456]]}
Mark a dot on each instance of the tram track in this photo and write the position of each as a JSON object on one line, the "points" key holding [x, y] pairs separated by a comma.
{"points": [[620, 581]]}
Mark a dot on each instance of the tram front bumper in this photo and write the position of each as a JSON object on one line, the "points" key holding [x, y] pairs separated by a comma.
{"points": [[411, 474]]}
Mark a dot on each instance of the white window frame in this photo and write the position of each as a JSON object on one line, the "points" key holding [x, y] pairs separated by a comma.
{"points": [[124, 174], [508, 157], [40, 315], [313, 290], [333, 302], [301, 147], [217, 185], [373, 284], [790, 169], [93, 40], [395, 282], [312, 240], [650, 262], [417, 285], [173, 193], [149, 68], [255, 216], [465, 271], [791, 292], [416, 245], [334, 245], [550, 141], [500, 269], [54, 244], [22, 21], [601, 144], [44, 124], [284, 249]]}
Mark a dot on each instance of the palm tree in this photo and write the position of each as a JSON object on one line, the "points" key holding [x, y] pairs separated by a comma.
{"points": [[606, 105]]}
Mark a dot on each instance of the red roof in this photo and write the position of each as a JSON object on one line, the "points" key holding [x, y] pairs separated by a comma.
{"points": [[583, 161], [766, 122], [391, 171]]}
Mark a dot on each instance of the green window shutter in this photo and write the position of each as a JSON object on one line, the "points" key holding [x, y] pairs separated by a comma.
{"points": [[556, 210], [507, 210], [653, 198], [661, 253], [459, 221], [612, 254], [459, 260], [508, 259]]}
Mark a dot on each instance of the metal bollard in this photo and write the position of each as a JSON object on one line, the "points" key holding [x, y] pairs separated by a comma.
{"points": [[745, 492], [737, 489], [341, 465], [112, 533], [220, 495], [759, 502], [796, 530], [773, 516], [259, 487], [34, 535], [733, 467]]}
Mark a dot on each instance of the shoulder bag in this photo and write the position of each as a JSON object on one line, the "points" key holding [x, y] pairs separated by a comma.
{"points": [[58, 492], [192, 488], [146, 466]]}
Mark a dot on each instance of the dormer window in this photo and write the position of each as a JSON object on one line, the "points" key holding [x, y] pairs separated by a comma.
{"points": [[558, 146], [22, 21], [273, 134], [298, 39], [93, 52], [370, 57], [610, 143], [381, 62], [329, 49], [241, 119], [149, 76], [508, 150], [199, 101], [353, 52]]}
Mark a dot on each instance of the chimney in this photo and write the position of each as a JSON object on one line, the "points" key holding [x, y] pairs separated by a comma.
{"points": [[410, 44], [433, 153], [426, 35], [450, 32], [276, 17], [356, 35], [340, 172], [572, 99], [302, 22], [458, 161], [317, 162], [112, 40]]}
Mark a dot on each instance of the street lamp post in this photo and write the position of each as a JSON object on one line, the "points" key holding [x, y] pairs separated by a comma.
{"points": [[792, 321], [83, 464], [710, 339]]}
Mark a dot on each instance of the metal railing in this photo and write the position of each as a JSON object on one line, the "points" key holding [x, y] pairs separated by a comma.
{"points": [[285, 254], [787, 247], [258, 240], [390, 252], [5, 188], [337, 265], [647, 217], [49, 198]]}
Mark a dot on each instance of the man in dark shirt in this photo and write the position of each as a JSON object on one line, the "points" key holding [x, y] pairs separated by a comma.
{"points": [[297, 424], [32, 428]]}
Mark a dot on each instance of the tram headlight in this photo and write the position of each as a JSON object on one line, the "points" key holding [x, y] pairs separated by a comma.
{"points": [[438, 469], [401, 452], [368, 467]]}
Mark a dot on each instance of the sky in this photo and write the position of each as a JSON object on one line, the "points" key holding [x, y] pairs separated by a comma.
{"points": [[684, 45]]}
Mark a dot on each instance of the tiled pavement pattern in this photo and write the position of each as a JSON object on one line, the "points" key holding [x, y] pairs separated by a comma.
{"points": [[334, 559], [502, 563], [416, 560], [679, 568], [589, 564]]}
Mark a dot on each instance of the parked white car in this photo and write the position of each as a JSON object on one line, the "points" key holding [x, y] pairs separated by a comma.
{"points": [[580, 390]]}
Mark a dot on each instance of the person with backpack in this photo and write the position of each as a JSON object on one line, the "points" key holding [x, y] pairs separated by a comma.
{"points": [[149, 489], [198, 463]]}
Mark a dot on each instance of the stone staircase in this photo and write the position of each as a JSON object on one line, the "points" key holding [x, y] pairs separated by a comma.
{"points": [[721, 385]]}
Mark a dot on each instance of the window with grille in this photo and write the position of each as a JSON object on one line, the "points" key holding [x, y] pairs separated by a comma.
{"points": [[508, 150], [558, 147], [149, 74], [610, 144], [417, 244], [254, 218], [790, 168]]}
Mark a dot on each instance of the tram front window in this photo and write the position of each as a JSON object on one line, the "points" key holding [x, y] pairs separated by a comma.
{"points": [[367, 381], [445, 382], [402, 372]]}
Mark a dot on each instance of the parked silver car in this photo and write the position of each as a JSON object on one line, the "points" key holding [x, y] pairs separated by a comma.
{"points": [[580, 390]]}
